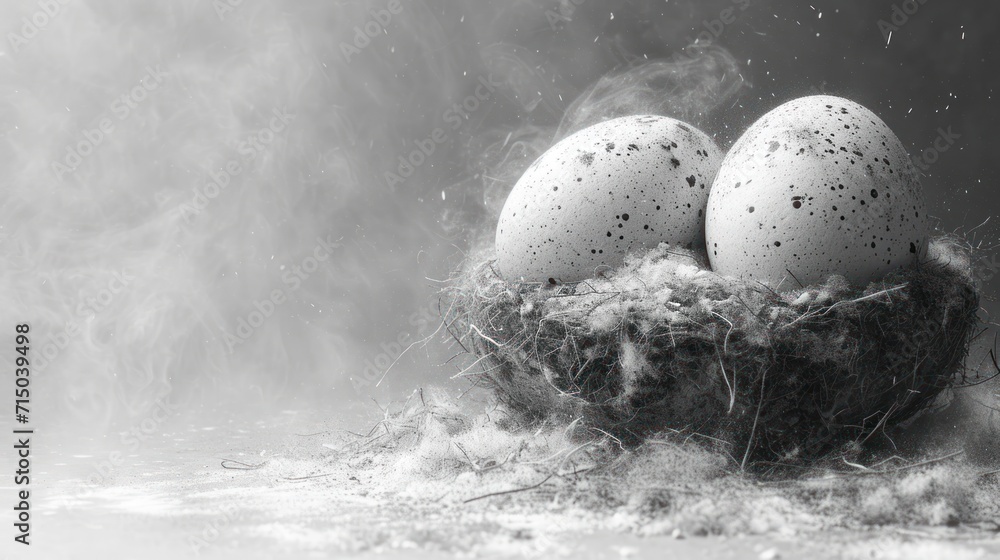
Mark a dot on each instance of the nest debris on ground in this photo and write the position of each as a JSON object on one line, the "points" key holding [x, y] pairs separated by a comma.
{"points": [[663, 345]]}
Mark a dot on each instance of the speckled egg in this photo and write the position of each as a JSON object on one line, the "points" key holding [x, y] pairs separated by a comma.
{"points": [[617, 186], [818, 186]]}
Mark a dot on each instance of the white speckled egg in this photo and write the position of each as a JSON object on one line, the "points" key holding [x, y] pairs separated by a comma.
{"points": [[818, 186], [617, 186]]}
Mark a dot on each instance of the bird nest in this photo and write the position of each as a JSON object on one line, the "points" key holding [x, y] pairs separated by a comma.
{"points": [[663, 345]]}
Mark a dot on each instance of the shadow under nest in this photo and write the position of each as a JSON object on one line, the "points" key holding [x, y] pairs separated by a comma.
{"points": [[662, 345]]}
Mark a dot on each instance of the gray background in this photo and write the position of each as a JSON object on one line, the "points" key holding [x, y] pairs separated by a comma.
{"points": [[168, 334]]}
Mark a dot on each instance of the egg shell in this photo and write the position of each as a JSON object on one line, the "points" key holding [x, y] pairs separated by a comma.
{"points": [[617, 186], [818, 186]]}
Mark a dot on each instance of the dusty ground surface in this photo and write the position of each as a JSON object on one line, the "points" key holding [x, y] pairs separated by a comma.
{"points": [[173, 498]]}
